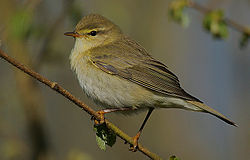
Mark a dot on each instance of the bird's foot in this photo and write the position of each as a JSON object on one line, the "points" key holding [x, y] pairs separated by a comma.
{"points": [[134, 146], [102, 118]]}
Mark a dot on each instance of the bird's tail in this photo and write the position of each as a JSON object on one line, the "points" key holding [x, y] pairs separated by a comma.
{"points": [[212, 111]]}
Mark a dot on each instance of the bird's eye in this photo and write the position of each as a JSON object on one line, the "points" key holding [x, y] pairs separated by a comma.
{"points": [[92, 33]]}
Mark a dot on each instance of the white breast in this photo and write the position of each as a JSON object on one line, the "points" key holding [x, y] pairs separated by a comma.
{"points": [[113, 91], [106, 88]]}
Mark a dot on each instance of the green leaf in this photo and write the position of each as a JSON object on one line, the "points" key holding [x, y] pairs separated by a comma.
{"points": [[100, 142], [176, 12], [173, 158], [244, 40], [104, 136], [214, 23], [20, 23]]}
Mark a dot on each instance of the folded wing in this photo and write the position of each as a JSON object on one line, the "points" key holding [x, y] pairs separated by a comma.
{"points": [[130, 61]]}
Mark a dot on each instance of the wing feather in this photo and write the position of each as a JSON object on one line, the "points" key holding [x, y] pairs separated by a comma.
{"points": [[128, 60]]}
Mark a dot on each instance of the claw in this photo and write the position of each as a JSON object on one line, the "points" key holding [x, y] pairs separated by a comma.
{"points": [[134, 146], [101, 121]]}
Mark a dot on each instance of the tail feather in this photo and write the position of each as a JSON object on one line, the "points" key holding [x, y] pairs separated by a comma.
{"points": [[213, 112]]}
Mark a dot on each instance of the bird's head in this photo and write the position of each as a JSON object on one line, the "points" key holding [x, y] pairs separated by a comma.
{"points": [[94, 30]]}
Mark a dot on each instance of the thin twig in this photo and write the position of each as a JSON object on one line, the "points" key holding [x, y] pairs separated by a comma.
{"points": [[29, 93], [56, 87], [228, 21]]}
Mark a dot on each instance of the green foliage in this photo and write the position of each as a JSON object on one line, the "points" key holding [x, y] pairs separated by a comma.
{"points": [[104, 136], [173, 158], [215, 24], [20, 24], [244, 40], [176, 12]]}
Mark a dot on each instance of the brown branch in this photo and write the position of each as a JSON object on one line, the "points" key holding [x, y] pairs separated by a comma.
{"points": [[28, 92], [228, 21], [56, 87]]}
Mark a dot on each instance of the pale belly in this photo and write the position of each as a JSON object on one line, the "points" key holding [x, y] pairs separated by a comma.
{"points": [[110, 90]]}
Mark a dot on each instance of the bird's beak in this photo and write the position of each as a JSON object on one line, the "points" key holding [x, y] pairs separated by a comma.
{"points": [[73, 34]]}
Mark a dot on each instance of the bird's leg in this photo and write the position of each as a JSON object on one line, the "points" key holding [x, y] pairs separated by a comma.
{"points": [[109, 110], [134, 147]]}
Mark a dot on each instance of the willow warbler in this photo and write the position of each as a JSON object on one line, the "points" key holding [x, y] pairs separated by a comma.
{"points": [[120, 75]]}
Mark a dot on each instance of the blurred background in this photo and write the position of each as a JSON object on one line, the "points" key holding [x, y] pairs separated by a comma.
{"points": [[37, 123]]}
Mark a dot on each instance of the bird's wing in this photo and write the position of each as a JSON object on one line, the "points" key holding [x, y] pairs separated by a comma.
{"points": [[139, 68]]}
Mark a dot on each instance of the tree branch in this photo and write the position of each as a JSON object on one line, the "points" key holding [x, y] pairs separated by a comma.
{"points": [[56, 87], [228, 21]]}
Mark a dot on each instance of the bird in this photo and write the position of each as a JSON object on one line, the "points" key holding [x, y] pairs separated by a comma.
{"points": [[120, 75]]}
